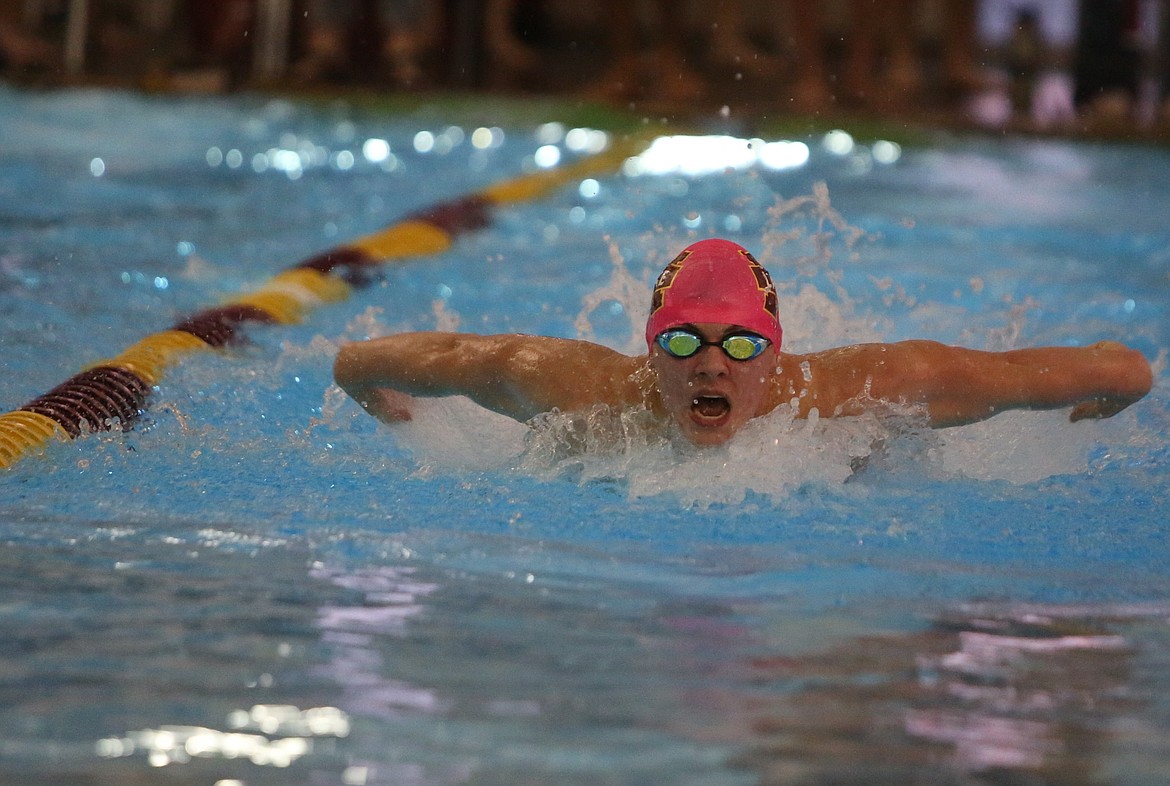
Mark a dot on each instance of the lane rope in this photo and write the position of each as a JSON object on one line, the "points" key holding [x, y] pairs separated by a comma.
{"points": [[114, 392]]}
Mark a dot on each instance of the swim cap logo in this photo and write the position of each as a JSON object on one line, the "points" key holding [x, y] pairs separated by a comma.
{"points": [[765, 285], [666, 278]]}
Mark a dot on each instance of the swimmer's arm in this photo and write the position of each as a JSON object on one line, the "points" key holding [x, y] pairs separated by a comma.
{"points": [[959, 386], [518, 376]]}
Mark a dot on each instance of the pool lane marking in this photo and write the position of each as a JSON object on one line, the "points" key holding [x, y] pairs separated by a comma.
{"points": [[116, 390]]}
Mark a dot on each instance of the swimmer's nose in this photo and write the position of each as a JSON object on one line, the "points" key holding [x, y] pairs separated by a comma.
{"points": [[711, 360]]}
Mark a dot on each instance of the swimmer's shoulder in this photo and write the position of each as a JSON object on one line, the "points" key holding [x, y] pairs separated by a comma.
{"points": [[826, 380], [576, 375]]}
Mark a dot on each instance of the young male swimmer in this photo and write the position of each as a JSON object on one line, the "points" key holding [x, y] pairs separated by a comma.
{"points": [[714, 364]]}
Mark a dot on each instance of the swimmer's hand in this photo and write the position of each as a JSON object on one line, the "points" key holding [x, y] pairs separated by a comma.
{"points": [[1097, 409], [387, 405], [1129, 374]]}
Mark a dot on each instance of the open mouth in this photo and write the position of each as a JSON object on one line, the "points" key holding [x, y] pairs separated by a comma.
{"points": [[710, 408]]}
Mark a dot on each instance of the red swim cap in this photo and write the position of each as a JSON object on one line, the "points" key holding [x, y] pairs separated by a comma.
{"points": [[715, 281]]}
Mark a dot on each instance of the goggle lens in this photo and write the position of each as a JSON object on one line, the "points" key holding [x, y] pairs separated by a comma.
{"points": [[683, 344], [680, 343], [743, 347]]}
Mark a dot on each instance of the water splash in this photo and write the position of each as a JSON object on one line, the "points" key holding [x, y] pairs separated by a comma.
{"points": [[814, 254], [626, 296], [775, 458], [455, 434], [828, 226]]}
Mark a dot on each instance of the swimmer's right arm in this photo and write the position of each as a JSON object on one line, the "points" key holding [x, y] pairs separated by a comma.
{"points": [[384, 374], [515, 375]]}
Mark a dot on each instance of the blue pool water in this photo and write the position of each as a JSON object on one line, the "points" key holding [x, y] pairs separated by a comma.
{"points": [[258, 584]]}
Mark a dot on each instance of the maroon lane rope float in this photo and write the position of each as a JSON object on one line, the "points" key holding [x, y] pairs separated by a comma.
{"points": [[116, 391]]}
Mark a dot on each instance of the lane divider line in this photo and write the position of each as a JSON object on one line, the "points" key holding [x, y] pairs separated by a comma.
{"points": [[114, 392]]}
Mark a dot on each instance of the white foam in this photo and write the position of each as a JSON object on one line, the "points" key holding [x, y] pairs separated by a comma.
{"points": [[456, 434], [778, 455], [774, 458], [1020, 447]]}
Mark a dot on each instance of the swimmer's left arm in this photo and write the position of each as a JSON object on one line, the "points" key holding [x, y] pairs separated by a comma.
{"points": [[959, 386]]}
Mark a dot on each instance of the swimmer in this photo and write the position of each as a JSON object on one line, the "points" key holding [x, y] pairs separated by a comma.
{"points": [[714, 363]]}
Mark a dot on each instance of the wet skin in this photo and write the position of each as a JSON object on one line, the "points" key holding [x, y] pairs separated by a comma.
{"points": [[710, 396]]}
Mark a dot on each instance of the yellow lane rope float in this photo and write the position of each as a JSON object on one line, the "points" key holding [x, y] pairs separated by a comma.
{"points": [[115, 391]]}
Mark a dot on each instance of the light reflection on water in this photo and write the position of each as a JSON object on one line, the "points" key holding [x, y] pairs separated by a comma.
{"points": [[1033, 692], [258, 555], [452, 659], [986, 688], [285, 734]]}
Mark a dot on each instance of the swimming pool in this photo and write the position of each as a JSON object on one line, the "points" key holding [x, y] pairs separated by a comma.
{"points": [[259, 584]]}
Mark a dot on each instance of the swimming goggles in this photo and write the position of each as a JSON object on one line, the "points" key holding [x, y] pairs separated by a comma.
{"points": [[683, 343]]}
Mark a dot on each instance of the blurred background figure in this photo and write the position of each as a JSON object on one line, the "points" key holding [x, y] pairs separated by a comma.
{"points": [[220, 39], [738, 30], [962, 71], [362, 40], [1049, 63], [677, 51], [1024, 59], [881, 67], [1108, 60], [21, 49], [647, 60], [1030, 45], [888, 55], [513, 61], [804, 40], [1161, 69]]}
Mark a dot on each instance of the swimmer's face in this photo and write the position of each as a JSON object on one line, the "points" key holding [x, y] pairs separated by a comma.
{"points": [[708, 395]]}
